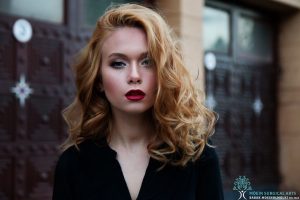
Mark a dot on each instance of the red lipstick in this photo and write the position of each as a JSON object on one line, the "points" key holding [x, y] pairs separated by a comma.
{"points": [[135, 95]]}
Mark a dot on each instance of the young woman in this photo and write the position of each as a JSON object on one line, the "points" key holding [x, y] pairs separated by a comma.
{"points": [[138, 129]]}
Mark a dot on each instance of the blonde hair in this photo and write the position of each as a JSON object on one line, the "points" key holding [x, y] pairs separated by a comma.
{"points": [[182, 123]]}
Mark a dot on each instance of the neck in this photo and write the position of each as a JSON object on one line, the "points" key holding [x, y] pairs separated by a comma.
{"points": [[131, 130]]}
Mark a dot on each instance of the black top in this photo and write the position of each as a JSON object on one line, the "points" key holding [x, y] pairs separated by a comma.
{"points": [[93, 173]]}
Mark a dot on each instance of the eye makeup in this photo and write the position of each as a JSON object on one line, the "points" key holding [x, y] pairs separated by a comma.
{"points": [[117, 64], [119, 61], [147, 62]]}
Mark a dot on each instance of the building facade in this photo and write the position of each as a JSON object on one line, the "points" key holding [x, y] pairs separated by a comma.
{"points": [[243, 54], [260, 63]]}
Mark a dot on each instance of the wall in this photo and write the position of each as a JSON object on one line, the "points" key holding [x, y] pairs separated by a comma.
{"points": [[185, 17], [289, 102]]}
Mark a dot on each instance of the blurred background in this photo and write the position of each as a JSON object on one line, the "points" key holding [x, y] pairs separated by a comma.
{"points": [[244, 54]]}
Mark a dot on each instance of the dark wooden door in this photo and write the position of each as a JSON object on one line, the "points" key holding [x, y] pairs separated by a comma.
{"points": [[240, 68], [31, 129]]}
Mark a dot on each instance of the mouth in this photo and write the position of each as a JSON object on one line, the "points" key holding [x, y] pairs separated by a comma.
{"points": [[135, 95]]}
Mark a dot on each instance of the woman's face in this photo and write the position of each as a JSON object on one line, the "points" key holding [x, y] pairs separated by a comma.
{"points": [[129, 78]]}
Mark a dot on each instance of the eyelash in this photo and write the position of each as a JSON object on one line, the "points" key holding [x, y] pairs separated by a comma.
{"points": [[148, 60], [117, 64], [122, 64]]}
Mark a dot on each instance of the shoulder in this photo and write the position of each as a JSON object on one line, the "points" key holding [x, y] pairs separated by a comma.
{"points": [[208, 157], [86, 151], [68, 158], [69, 161], [209, 175], [73, 151], [72, 154]]}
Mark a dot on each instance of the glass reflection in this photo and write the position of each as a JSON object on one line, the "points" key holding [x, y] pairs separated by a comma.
{"points": [[254, 38], [216, 30], [50, 11], [93, 9]]}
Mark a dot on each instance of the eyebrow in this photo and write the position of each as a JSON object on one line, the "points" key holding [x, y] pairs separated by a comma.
{"points": [[144, 54]]}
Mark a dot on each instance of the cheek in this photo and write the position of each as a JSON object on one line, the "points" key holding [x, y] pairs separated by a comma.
{"points": [[110, 85], [152, 85], [153, 82]]}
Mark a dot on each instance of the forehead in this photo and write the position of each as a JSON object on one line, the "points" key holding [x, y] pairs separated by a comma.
{"points": [[125, 40]]}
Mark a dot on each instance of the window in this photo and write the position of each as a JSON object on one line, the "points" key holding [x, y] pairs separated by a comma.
{"points": [[254, 38], [50, 11], [93, 9], [216, 30]]}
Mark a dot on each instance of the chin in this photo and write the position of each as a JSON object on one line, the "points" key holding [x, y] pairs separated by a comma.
{"points": [[138, 110]]}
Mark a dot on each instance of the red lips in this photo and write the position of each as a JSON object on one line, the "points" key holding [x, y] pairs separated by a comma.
{"points": [[135, 95]]}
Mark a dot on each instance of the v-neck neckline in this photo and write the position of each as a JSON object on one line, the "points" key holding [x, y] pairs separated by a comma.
{"points": [[147, 171], [152, 165]]}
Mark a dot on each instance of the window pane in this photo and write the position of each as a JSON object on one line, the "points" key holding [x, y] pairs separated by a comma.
{"points": [[93, 9], [254, 38], [51, 10], [216, 30]]}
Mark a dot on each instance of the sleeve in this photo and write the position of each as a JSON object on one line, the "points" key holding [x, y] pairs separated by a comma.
{"points": [[209, 180], [62, 188]]}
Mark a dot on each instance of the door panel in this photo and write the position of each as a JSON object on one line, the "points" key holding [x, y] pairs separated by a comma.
{"points": [[242, 90], [31, 132]]}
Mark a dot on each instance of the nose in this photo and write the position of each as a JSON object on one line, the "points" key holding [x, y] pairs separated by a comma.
{"points": [[134, 76]]}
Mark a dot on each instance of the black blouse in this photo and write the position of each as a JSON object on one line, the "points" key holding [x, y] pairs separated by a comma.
{"points": [[93, 173]]}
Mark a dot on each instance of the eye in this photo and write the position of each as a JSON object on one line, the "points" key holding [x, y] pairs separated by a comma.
{"points": [[147, 62], [117, 64]]}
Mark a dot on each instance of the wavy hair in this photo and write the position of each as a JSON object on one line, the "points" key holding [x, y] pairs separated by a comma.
{"points": [[182, 123]]}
